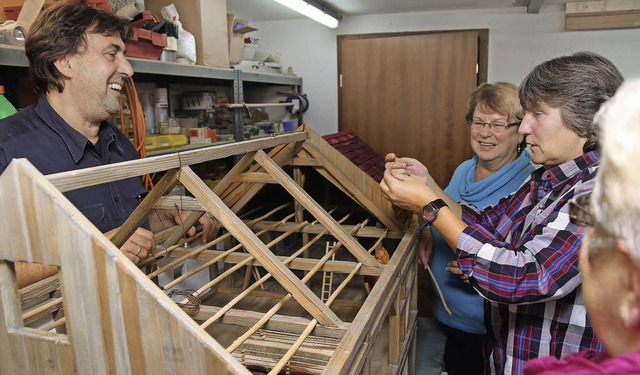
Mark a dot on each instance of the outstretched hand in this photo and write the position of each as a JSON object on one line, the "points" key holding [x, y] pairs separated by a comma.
{"points": [[406, 166], [405, 191]]}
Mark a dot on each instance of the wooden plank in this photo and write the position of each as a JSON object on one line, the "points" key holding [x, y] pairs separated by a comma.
{"points": [[602, 21], [282, 323], [12, 360], [227, 184], [252, 243], [305, 264], [255, 177], [359, 196], [602, 6], [167, 182], [369, 319], [77, 179], [245, 192], [364, 232], [302, 161], [316, 210]]}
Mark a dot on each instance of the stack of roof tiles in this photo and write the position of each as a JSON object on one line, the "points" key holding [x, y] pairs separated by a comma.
{"points": [[360, 153]]}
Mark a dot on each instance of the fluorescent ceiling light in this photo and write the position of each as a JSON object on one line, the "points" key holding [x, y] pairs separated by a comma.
{"points": [[311, 11]]}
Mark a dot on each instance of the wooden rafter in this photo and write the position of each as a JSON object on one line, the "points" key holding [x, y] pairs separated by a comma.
{"points": [[315, 209], [256, 247], [340, 180], [119, 320]]}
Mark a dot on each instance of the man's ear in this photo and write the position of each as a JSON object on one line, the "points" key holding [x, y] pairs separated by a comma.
{"points": [[63, 64], [630, 307]]}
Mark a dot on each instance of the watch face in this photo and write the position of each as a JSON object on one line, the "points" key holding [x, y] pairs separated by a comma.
{"points": [[429, 214]]}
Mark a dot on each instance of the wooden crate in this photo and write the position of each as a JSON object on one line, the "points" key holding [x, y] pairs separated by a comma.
{"points": [[103, 314]]}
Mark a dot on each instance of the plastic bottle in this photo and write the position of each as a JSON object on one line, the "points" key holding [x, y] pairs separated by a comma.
{"points": [[6, 108], [162, 108]]}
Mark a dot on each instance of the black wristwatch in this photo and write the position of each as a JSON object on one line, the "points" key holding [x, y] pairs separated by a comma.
{"points": [[430, 211]]}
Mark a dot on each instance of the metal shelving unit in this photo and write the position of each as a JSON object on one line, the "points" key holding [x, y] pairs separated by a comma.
{"points": [[15, 57]]}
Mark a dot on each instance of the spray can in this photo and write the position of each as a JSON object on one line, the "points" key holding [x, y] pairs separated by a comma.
{"points": [[6, 108], [162, 108]]}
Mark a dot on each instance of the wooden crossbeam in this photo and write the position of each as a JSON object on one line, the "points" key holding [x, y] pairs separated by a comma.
{"points": [[305, 264], [166, 183], [358, 195], [72, 180], [257, 248], [315, 209]]}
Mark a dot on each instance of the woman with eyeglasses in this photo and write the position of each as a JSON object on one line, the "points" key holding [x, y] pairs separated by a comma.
{"points": [[497, 169], [521, 254]]}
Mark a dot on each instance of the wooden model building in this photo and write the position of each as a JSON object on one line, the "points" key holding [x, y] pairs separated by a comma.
{"points": [[285, 288]]}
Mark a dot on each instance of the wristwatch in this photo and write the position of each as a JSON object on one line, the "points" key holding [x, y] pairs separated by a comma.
{"points": [[430, 211]]}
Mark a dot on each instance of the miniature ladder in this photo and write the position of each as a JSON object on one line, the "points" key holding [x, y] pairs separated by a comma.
{"points": [[327, 277]]}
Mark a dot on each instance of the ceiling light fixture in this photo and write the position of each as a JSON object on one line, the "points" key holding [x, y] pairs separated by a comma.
{"points": [[313, 10]]}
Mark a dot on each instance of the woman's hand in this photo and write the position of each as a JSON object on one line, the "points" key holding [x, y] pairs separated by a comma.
{"points": [[425, 248], [406, 191], [406, 166], [454, 268]]}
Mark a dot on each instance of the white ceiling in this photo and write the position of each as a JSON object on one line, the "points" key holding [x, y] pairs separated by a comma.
{"points": [[267, 10]]}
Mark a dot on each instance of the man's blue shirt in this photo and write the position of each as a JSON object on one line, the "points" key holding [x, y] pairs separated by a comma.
{"points": [[39, 134]]}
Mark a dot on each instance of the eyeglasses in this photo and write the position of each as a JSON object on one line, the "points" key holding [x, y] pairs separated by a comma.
{"points": [[579, 213], [477, 125]]}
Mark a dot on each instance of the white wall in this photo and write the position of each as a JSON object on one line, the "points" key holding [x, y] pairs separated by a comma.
{"points": [[517, 42]]}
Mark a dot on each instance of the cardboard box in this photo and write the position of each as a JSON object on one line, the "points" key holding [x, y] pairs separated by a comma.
{"points": [[235, 30], [206, 20], [202, 136]]}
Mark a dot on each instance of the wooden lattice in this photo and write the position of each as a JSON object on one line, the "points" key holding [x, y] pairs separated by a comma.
{"points": [[280, 290]]}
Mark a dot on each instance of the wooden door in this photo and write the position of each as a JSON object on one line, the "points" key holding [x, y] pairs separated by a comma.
{"points": [[406, 93]]}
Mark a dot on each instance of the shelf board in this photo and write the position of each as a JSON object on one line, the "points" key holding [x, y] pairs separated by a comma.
{"points": [[15, 56]]}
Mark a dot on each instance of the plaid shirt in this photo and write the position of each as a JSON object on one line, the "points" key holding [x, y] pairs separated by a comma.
{"points": [[522, 256]]}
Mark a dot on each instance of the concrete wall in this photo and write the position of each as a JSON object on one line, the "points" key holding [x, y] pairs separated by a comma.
{"points": [[517, 42]]}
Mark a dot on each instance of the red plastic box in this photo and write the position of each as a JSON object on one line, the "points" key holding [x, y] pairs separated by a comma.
{"points": [[145, 44]]}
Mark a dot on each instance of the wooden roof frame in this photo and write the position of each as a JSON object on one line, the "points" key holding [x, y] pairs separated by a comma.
{"points": [[109, 301]]}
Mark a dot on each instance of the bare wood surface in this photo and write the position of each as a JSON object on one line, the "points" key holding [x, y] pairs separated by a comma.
{"points": [[253, 244], [365, 232], [315, 209], [303, 264], [167, 182], [128, 325], [378, 302], [66, 181], [255, 177], [358, 195]]}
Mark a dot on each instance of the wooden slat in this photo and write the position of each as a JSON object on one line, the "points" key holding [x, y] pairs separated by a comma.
{"points": [[601, 6], [302, 161], [252, 243], [304, 264], [283, 323], [167, 182], [255, 177], [365, 232], [602, 21], [77, 179], [245, 192], [316, 210], [366, 323], [358, 195]]}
